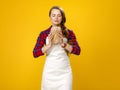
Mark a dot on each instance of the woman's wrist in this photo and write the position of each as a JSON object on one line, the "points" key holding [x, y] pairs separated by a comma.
{"points": [[45, 48], [63, 45]]}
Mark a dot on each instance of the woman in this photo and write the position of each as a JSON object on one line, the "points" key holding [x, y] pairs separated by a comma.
{"points": [[57, 42]]}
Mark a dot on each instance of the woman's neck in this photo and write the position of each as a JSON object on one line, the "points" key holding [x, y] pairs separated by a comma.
{"points": [[56, 25]]}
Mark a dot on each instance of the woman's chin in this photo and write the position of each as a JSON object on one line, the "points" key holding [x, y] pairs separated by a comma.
{"points": [[56, 24]]}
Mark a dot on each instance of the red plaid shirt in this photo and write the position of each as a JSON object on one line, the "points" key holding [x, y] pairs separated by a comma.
{"points": [[42, 40]]}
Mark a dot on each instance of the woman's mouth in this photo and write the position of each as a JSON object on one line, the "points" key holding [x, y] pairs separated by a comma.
{"points": [[56, 21]]}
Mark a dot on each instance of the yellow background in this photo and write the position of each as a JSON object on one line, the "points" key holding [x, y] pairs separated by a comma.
{"points": [[96, 24]]}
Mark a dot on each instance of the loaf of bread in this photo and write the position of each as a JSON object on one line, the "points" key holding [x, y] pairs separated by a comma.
{"points": [[54, 31]]}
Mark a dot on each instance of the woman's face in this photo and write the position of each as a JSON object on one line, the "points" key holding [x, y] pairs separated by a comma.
{"points": [[55, 17]]}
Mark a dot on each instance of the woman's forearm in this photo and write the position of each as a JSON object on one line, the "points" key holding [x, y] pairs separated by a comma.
{"points": [[73, 49], [45, 48], [68, 47]]}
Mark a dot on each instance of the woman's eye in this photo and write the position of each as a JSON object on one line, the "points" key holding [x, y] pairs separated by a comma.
{"points": [[59, 15], [53, 15]]}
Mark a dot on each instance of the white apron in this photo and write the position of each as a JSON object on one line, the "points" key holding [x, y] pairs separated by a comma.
{"points": [[57, 72]]}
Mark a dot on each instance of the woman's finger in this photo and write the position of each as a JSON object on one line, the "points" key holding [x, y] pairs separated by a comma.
{"points": [[50, 36], [60, 35]]}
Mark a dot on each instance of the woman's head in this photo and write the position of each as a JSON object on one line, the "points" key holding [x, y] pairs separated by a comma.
{"points": [[57, 16]]}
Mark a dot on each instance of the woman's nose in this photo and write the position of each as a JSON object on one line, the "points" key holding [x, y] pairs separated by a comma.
{"points": [[56, 17]]}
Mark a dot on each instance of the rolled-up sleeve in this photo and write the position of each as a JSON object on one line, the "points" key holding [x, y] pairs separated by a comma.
{"points": [[39, 44], [75, 46]]}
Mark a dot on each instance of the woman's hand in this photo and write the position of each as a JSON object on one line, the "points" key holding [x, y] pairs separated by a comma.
{"points": [[50, 37], [60, 35], [66, 46], [49, 45]]}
